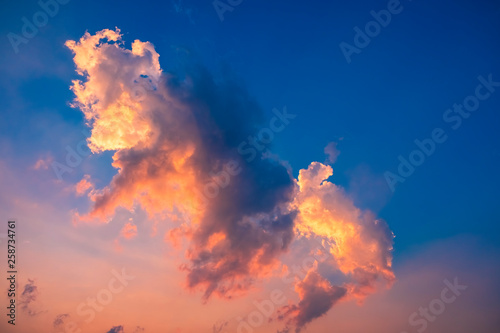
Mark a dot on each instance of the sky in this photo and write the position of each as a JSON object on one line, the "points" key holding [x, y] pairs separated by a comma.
{"points": [[250, 166]]}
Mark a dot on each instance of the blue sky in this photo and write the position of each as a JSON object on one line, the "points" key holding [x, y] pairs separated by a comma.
{"points": [[393, 92]]}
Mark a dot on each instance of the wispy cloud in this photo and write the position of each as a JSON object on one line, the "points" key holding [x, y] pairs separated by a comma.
{"points": [[116, 329], [332, 152], [28, 297]]}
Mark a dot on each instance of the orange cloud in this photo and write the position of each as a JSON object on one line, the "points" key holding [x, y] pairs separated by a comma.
{"points": [[43, 163], [170, 136], [108, 97], [359, 243], [170, 142], [129, 231], [359, 240]]}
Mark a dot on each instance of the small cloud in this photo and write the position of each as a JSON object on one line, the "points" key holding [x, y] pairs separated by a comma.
{"points": [[116, 329], [332, 152], [83, 186], [77, 219], [43, 163], [59, 321], [28, 297], [317, 297], [129, 231]]}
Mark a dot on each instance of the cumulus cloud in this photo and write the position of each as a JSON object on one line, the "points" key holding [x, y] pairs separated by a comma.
{"points": [[359, 244], [474, 261], [169, 144], [118, 120], [171, 136]]}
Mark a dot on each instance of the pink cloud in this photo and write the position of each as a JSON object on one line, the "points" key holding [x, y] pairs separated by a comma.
{"points": [[170, 137], [83, 186], [129, 231]]}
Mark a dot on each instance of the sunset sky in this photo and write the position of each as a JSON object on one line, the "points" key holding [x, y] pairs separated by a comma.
{"points": [[251, 166]]}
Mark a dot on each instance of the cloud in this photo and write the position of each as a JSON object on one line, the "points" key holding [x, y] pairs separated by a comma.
{"points": [[421, 273], [116, 329], [171, 136], [28, 297], [129, 231], [360, 246], [83, 186], [169, 145], [120, 329], [43, 163], [332, 152], [60, 320], [317, 296], [361, 243]]}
